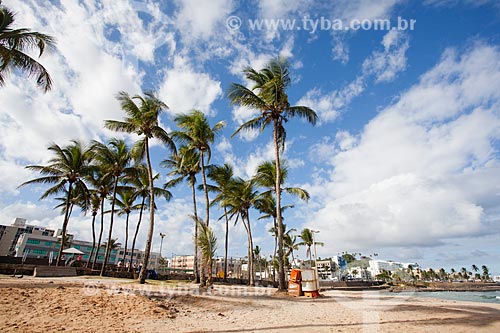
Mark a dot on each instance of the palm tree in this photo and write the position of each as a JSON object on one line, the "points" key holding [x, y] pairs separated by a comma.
{"points": [[14, 45], [290, 243], [475, 268], [113, 244], [197, 134], [125, 202], [186, 165], [256, 252], [95, 203], [308, 240], [486, 272], [114, 161], [267, 206], [207, 243], [268, 95], [102, 183], [241, 196], [139, 180], [65, 171], [221, 176], [464, 273], [143, 120]]}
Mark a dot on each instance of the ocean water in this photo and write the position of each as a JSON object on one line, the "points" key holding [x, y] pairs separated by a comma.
{"points": [[469, 296]]}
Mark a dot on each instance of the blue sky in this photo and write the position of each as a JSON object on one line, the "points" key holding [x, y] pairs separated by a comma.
{"points": [[404, 161]]}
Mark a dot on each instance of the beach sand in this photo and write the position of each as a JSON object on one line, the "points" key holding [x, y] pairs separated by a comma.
{"points": [[108, 305]]}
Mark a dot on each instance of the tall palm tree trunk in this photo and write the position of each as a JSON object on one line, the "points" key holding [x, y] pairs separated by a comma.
{"points": [[281, 272], [207, 201], [136, 233], [126, 239], [108, 244], [147, 250], [65, 223], [100, 233], [275, 246], [93, 240], [226, 245], [251, 277], [195, 213]]}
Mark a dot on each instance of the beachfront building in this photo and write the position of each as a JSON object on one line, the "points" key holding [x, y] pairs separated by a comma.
{"points": [[379, 266], [30, 241], [10, 234], [182, 263], [327, 269], [234, 268]]}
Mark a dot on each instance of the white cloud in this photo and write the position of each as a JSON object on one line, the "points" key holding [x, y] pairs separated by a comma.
{"points": [[184, 89], [386, 64], [199, 19], [418, 173], [329, 105]]}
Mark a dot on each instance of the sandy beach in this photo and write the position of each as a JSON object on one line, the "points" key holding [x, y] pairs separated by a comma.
{"points": [[107, 305]]}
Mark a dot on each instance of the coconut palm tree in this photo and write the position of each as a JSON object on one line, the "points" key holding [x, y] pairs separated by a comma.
{"points": [[114, 161], [221, 176], [143, 120], [267, 206], [486, 272], [65, 171], [126, 204], [241, 196], [15, 44], [257, 252], [113, 244], [207, 242], [291, 244], [140, 181], [308, 240], [268, 95], [95, 204], [475, 268], [102, 184], [185, 165], [197, 134]]}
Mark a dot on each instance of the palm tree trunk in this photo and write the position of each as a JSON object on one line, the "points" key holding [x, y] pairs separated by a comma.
{"points": [[274, 250], [226, 245], [207, 201], [108, 248], [277, 187], [136, 233], [147, 250], [65, 223], [251, 275], [126, 239], [93, 240], [100, 233], [195, 213]]}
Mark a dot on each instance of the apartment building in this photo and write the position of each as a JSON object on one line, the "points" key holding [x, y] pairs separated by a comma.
{"points": [[9, 235]]}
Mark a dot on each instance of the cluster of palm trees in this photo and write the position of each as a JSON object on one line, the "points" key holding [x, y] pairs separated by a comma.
{"points": [[91, 174], [112, 172], [442, 275]]}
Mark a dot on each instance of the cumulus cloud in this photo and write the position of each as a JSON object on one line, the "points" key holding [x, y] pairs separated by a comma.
{"points": [[386, 64], [185, 89], [416, 174]]}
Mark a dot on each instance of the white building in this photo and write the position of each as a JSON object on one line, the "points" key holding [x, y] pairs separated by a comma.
{"points": [[378, 266]]}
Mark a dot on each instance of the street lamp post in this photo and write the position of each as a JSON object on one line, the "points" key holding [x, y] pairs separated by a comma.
{"points": [[315, 257], [162, 235]]}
